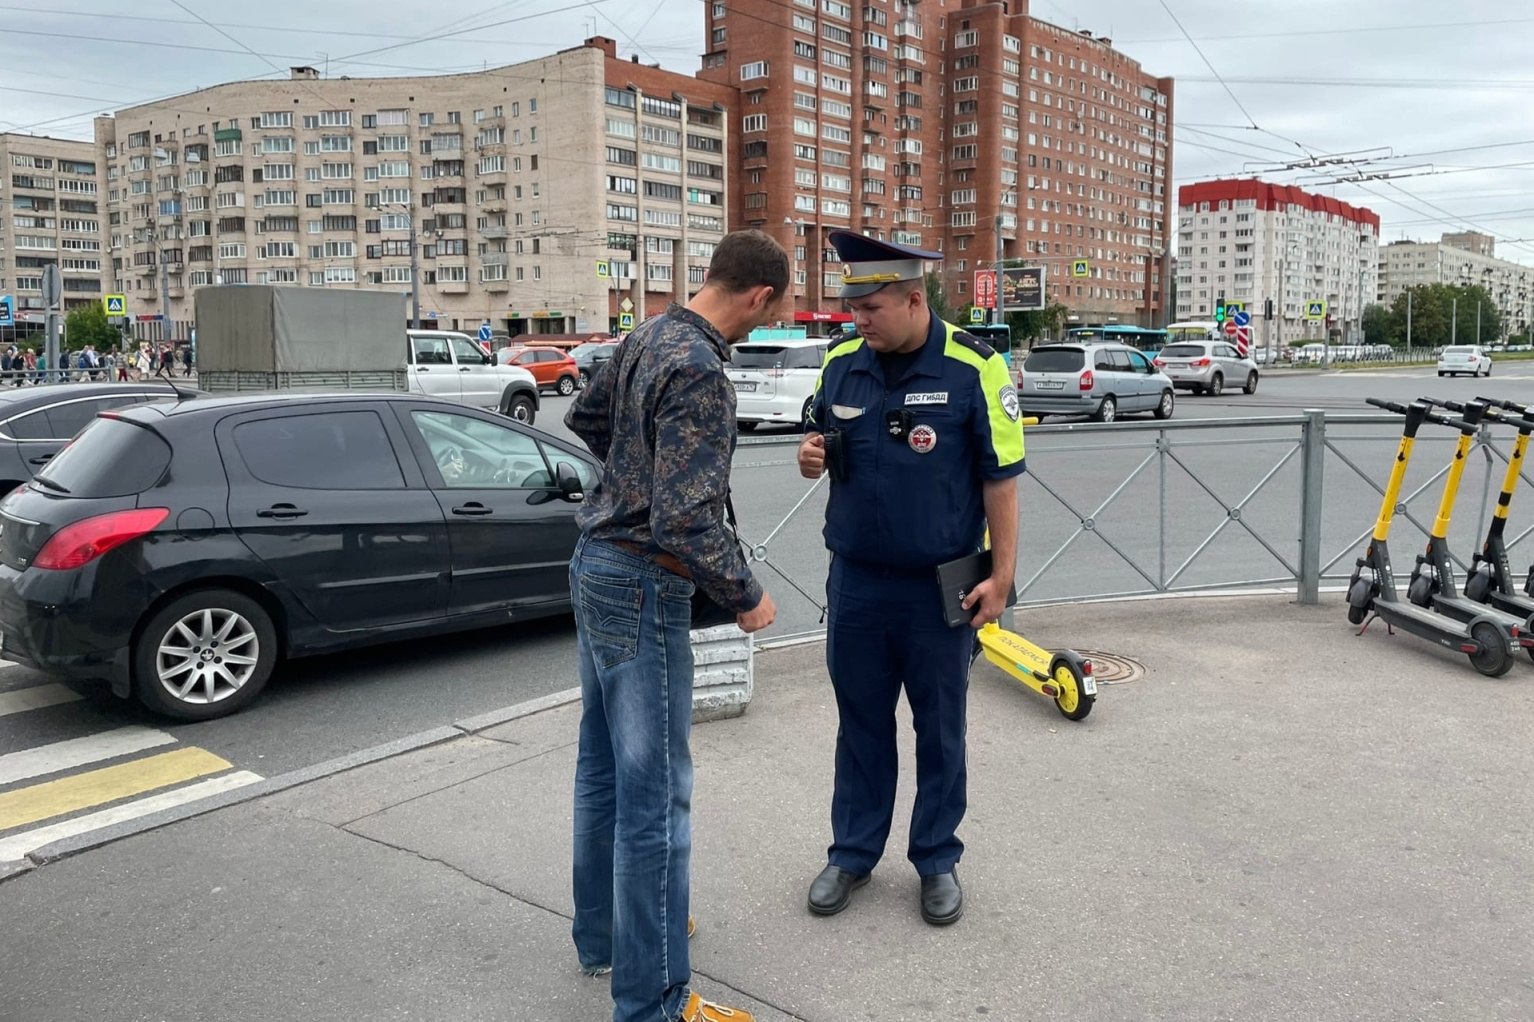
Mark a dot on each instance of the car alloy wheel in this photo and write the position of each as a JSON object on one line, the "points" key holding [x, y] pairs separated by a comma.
{"points": [[566, 386], [207, 656]]}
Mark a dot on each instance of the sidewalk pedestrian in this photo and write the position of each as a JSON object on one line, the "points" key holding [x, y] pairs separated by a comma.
{"points": [[654, 533], [145, 363], [186, 360], [917, 424]]}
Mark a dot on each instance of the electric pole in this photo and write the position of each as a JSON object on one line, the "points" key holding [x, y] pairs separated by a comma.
{"points": [[1001, 280]]}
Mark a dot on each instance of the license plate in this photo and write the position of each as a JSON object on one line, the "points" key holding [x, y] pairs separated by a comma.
{"points": [[1177, 365], [1050, 384], [745, 387], [1088, 685]]}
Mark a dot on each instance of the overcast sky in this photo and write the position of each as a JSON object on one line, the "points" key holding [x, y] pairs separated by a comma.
{"points": [[1440, 91]]}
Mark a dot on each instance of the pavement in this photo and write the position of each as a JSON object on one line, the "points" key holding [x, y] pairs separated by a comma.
{"points": [[1276, 819]]}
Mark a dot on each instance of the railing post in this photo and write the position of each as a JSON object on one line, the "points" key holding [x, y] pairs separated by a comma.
{"points": [[1312, 458]]}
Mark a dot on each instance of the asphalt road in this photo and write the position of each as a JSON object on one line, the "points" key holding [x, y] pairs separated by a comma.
{"points": [[318, 709]]}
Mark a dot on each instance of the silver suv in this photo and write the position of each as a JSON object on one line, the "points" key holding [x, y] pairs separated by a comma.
{"points": [[1202, 366], [1100, 380]]}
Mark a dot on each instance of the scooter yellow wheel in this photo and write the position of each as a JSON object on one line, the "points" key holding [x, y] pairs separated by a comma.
{"points": [[1072, 702]]}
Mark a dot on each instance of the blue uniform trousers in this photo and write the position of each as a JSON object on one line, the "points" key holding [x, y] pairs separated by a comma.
{"points": [[886, 631]]}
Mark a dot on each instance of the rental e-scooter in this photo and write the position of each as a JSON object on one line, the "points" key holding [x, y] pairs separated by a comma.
{"points": [[1432, 581], [1488, 643], [1491, 575]]}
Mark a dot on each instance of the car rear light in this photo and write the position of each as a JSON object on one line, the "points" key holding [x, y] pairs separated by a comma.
{"points": [[1157, 363], [1199, 363], [77, 545], [1086, 380]]}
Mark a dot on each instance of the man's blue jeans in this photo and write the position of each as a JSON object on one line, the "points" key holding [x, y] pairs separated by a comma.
{"points": [[633, 778]]}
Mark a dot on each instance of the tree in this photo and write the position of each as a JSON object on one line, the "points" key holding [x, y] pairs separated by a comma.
{"points": [[88, 325], [1029, 326], [1378, 328], [937, 300], [1439, 310]]}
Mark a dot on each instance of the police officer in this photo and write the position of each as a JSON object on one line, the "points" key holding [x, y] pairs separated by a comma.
{"points": [[917, 424]]}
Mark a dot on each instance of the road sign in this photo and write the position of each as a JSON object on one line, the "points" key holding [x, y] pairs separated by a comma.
{"points": [[1244, 341], [115, 305], [484, 331], [1231, 328], [603, 269], [977, 315], [1315, 310], [1081, 268], [985, 289], [1243, 318], [625, 321], [53, 285], [626, 305], [7, 310]]}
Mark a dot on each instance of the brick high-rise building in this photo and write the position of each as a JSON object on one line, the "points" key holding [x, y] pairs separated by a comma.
{"points": [[50, 214], [542, 196], [942, 124]]}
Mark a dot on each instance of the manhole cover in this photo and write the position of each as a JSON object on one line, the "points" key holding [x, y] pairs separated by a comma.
{"points": [[1113, 669]]}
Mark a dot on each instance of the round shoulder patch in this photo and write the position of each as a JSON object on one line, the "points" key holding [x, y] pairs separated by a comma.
{"points": [[1008, 396]]}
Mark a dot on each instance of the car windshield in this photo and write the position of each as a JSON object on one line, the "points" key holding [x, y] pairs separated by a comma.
{"points": [[774, 356], [1053, 360], [1182, 350]]}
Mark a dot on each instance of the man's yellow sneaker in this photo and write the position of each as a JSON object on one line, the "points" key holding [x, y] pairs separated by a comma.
{"points": [[699, 1010], [692, 927]]}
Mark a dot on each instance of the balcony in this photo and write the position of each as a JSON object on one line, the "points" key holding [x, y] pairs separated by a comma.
{"points": [[493, 259], [497, 286], [492, 233], [452, 287]]}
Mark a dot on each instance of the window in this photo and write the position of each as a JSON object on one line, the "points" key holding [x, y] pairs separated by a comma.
{"points": [[753, 122], [330, 451], [462, 447], [757, 69]]}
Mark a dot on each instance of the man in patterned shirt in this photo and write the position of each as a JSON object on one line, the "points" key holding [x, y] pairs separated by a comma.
{"points": [[661, 416]]}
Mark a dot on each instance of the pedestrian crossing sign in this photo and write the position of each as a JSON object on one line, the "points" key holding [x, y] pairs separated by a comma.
{"points": [[1081, 268], [977, 315], [603, 269], [625, 321], [115, 305], [1315, 310]]}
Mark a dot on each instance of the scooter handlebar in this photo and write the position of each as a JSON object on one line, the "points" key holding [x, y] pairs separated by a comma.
{"points": [[1511, 406], [1434, 417], [1389, 406]]}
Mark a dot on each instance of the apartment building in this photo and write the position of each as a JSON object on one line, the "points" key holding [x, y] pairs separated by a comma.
{"points": [[1252, 242], [942, 125], [540, 197], [1467, 259], [50, 214]]}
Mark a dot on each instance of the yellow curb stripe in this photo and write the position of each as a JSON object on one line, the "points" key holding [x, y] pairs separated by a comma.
{"points": [[98, 787]]}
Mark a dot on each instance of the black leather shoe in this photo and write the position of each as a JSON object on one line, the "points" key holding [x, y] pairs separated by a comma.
{"points": [[942, 899], [832, 890]]}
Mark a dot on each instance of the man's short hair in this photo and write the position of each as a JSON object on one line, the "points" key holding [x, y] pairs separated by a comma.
{"points": [[747, 259]]}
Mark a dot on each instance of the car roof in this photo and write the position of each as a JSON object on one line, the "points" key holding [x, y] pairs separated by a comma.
{"points": [[216, 403], [19, 399], [787, 342]]}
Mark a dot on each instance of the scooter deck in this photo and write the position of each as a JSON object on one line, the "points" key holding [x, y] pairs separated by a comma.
{"points": [[1015, 654], [1467, 610]]}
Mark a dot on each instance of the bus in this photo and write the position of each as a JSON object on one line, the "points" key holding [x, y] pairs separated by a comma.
{"points": [[1144, 338], [997, 335], [1195, 330]]}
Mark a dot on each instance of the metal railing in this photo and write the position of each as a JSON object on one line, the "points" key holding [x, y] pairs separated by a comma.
{"points": [[1132, 509]]}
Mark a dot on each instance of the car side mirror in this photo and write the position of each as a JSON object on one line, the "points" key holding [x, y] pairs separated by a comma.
{"points": [[485, 360], [569, 482]]}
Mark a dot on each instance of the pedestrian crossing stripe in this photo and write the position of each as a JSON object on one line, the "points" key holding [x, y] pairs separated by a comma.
{"points": [[108, 784], [77, 752], [36, 698], [16, 847]]}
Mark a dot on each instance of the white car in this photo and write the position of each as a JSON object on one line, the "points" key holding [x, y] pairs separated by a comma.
{"points": [[451, 365], [1464, 358], [775, 380]]}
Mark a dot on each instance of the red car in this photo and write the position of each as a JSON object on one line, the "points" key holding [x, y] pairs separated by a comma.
{"points": [[552, 368]]}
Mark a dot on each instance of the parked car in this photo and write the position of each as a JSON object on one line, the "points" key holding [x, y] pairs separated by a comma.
{"points": [[590, 356], [37, 422], [452, 366], [553, 368], [775, 380], [1206, 366], [1100, 380], [180, 550], [1464, 358]]}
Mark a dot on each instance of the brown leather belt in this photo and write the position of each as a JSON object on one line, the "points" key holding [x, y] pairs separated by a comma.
{"points": [[668, 561]]}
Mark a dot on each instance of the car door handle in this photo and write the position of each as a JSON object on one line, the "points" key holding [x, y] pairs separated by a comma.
{"points": [[423, 369], [281, 511], [41, 459], [465, 369], [473, 509]]}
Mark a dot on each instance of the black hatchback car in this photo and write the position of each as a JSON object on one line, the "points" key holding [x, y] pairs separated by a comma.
{"points": [[181, 549], [36, 422]]}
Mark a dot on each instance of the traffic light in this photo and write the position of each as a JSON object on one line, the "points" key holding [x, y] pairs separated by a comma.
{"points": [[1219, 309], [1267, 309]]}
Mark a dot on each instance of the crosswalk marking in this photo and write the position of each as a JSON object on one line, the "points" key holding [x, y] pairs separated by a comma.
{"points": [[97, 787], [35, 698], [17, 846], [50, 759]]}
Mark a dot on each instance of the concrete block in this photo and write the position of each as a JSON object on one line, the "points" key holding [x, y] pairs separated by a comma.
{"points": [[723, 659]]}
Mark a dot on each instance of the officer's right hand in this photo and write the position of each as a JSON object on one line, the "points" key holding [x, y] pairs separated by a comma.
{"points": [[758, 617], [812, 456]]}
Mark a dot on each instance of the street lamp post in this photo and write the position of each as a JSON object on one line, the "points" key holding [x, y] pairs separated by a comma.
{"points": [[415, 269], [1001, 281]]}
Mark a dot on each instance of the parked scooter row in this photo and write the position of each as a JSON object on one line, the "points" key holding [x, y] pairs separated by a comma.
{"points": [[1489, 621]]}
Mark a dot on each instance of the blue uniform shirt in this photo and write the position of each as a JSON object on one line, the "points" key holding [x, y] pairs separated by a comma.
{"points": [[917, 500]]}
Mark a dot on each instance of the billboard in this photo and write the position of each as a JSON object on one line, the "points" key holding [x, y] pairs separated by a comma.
{"points": [[1023, 288]]}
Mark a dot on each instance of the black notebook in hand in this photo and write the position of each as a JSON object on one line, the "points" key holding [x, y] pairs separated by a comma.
{"points": [[957, 578]]}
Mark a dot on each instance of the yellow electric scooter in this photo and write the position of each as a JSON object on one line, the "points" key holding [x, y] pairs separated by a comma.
{"points": [[1064, 675]]}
